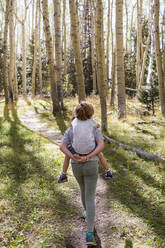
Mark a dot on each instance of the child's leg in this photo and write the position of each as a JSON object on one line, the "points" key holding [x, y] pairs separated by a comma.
{"points": [[103, 161], [65, 164], [63, 176]]}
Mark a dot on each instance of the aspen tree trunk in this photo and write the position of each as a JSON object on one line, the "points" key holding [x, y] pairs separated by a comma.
{"points": [[12, 50], [108, 45], [140, 38], [100, 64], [39, 52], [103, 45], [120, 60], [132, 25], [32, 17], [144, 59], [15, 77], [150, 70], [23, 59], [113, 75], [138, 47], [126, 34], [93, 46], [151, 57], [58, 50], [35, 52], [64, 36], [113, 70], [163, 43], [23, 22], [5, 45], [159, 58], [49, 48], [75, 36]]}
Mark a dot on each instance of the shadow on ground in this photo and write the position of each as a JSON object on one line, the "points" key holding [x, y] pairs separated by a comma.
{"points": [[130, 193], [21, 165]]}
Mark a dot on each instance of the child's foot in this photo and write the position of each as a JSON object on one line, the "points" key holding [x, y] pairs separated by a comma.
{"points": [[108, 175], [63, 178], [90, 239]]}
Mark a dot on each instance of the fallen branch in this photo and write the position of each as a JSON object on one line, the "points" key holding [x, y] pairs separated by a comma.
{"points": [[139, 152]]}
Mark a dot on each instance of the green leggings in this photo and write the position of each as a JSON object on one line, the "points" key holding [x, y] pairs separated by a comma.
{"points": [[86, 175]]}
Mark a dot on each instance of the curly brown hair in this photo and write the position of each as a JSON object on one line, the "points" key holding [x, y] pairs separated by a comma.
{"points": [[84, 111]]}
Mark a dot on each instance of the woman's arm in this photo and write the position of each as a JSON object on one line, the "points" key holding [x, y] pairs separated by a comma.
{"points": [[63, 148]]}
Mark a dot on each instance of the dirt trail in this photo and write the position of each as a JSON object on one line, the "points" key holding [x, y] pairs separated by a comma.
{"points": [[104, 218]]}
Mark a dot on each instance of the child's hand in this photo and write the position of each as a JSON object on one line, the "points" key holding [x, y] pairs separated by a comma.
{"points": [[84, 159], [77, 157], [98, 125]]}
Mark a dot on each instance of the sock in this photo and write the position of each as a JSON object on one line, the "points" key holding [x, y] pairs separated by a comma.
{"points": [[89, 234]]}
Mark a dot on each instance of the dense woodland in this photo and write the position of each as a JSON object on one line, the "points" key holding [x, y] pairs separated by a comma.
{"points": [[67, 48]]}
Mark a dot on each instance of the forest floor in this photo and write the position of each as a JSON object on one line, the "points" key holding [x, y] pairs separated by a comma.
{"points": [[36, 211]]}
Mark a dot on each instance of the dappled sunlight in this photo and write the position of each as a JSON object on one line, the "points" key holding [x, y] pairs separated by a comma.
{"points": [[32, 200], [141, 189]]}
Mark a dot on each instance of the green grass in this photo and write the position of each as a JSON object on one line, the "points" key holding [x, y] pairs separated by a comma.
{"points": [[34, 208], [32, 204]]}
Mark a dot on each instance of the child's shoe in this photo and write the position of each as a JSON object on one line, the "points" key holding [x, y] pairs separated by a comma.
{"points": [[90, 239], [63, 178], [84, 214], [108, 175]]}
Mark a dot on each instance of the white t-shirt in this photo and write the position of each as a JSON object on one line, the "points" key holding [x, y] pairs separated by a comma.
{"points": [[83, 135]]}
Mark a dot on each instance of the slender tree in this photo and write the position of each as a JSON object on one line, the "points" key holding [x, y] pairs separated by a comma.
{"points": [[5, 44], [108, 45], [120, 60], [23, 22], [93, 45], [151, 57], [145, 58], [64, 35], [49, 48], [126, 30], [58, 50], [100, 63], [12, 50], [138, 57], [35, 50], [39, 50], [75, 36], [159, 57], [113, 68]]}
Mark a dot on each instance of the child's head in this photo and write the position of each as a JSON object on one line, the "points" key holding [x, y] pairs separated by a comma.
{"points": [[84, 111]]}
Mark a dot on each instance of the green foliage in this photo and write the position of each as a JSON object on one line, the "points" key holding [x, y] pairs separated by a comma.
{"points": [[128, 243], [29, 68], [149, 95], [130, 73]]}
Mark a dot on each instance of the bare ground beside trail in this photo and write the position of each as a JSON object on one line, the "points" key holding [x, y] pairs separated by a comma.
{"points": [[107, 220]]}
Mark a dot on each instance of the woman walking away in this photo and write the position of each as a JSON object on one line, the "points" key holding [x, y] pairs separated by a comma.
{"points": [[87, 143], [87, 127]]}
